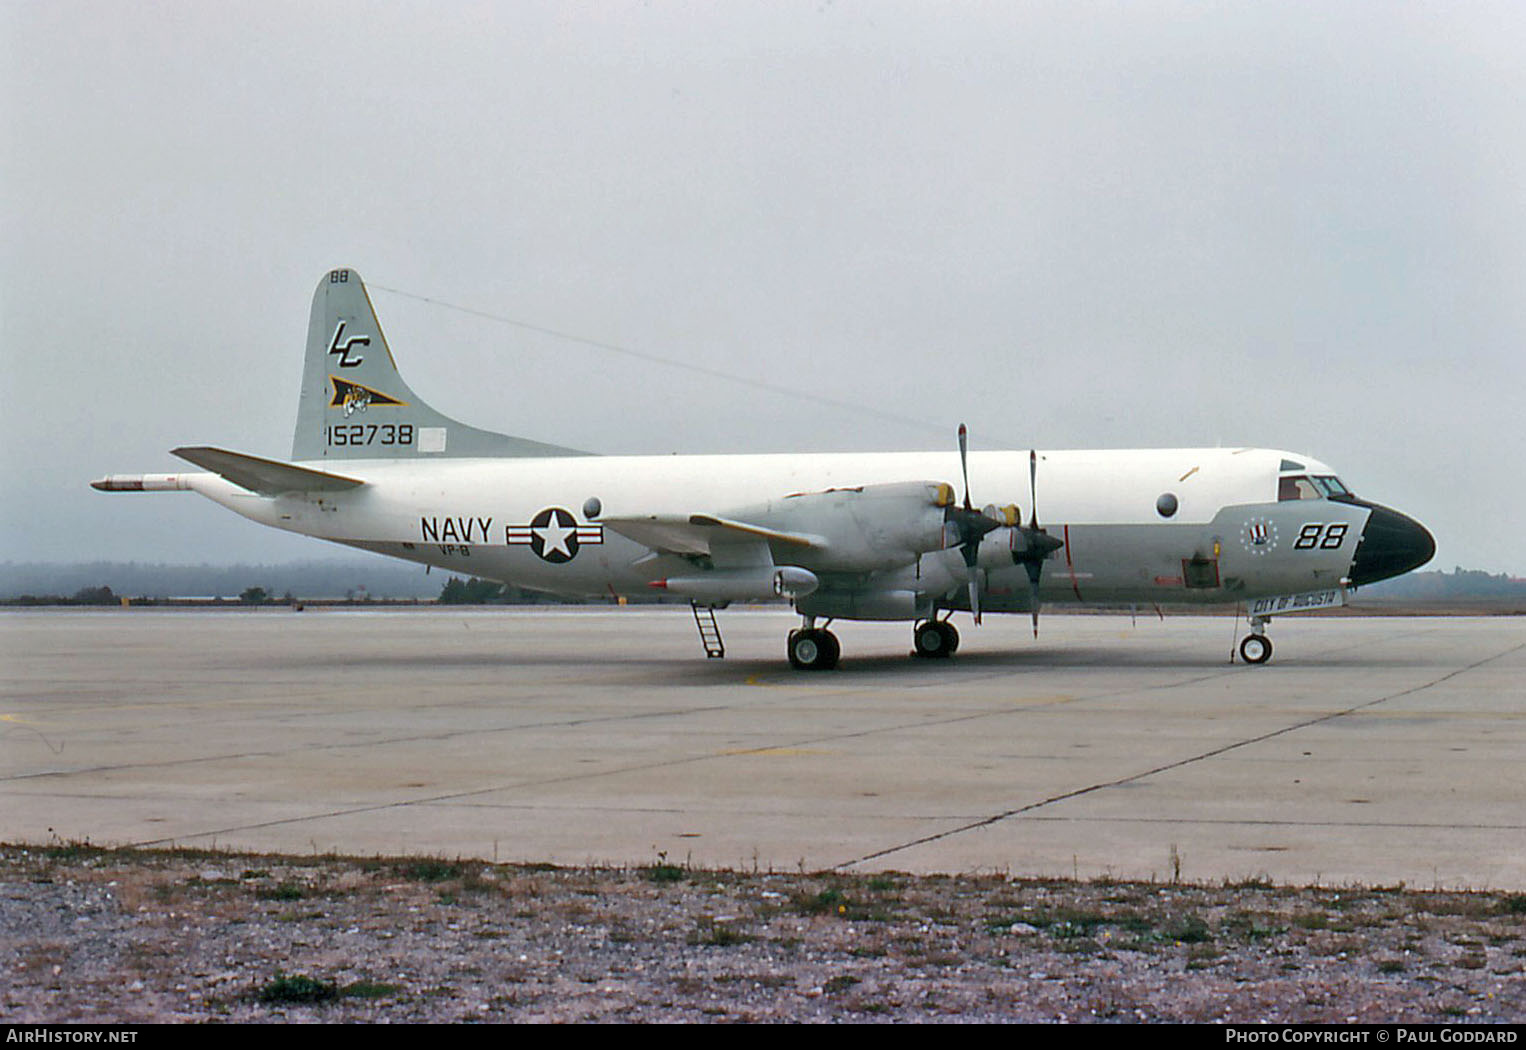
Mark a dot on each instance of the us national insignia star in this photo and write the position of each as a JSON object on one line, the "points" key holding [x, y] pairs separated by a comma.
{"points": [[554, 535]]}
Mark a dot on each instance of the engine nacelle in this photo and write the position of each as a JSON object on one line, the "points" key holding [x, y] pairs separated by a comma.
{"points": [[1012, 545], [862, 529]]}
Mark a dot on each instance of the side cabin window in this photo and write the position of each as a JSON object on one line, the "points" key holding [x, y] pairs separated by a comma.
{"points": [[1300, 487]]}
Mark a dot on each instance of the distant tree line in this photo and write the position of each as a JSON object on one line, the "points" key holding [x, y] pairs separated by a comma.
{"points": [[83, 596], [384, 581], [381, 579], [477, 591], [456, 591], [469, 592], [1459, 584], [106, 596]]}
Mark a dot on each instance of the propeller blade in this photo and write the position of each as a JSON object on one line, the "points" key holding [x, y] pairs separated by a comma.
{"points": [[1035, 569], [1041, 544], [972, 525], [1033, 487], [964, 462], [969, 545]]}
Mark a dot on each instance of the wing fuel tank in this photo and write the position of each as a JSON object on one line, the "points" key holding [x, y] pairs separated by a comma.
{"points": [[788, 581]]}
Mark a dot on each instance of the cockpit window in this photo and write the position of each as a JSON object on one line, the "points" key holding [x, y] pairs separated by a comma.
{"points": [[1299, 487]]}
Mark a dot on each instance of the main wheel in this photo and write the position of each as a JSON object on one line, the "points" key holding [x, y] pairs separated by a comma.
{"points": [[934, 639], [813, 649], [829, 641], [1256, 649]]}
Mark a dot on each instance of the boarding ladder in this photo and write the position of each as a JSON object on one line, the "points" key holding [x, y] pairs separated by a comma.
{"points": [[709, 631]]}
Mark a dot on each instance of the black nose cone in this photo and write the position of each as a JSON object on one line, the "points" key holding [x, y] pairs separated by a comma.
{"points": [[1391, 544]]}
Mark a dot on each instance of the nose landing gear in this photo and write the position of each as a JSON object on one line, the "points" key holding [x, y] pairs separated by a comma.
{"points": [[1256, 647]]}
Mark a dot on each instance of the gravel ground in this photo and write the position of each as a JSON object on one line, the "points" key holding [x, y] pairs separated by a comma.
{"points": [[102, 936]]}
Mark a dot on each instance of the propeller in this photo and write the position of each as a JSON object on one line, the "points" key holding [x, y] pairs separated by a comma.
{"points": [[1035, 543], [970, 524], [1030, 543]]}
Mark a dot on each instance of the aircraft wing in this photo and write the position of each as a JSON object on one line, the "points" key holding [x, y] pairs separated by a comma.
{"points": [[701, 534], [857, 529], [267, 477]]}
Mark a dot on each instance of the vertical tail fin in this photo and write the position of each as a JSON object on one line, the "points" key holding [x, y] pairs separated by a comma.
{"points": [[354, 403]]}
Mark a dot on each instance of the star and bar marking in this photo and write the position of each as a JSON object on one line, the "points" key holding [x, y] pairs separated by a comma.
{"points": [[554, 535]]}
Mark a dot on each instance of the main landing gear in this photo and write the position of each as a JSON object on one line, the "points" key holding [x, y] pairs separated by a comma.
{"points": [[1256, 647], [813, 648], [934, 639]]}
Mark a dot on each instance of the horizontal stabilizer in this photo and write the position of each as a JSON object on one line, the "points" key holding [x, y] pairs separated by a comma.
{"points": [[268, 477]]}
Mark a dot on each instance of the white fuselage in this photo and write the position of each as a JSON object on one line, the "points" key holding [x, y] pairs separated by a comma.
{"points": [[859, 537], [1229, 538]]}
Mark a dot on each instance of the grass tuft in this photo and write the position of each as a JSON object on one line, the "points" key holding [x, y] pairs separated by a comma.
{"points": [[430, 869], [286, 891], [299, 989]]}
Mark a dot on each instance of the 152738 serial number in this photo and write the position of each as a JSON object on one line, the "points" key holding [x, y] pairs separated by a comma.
{"points": [[369, 434]]}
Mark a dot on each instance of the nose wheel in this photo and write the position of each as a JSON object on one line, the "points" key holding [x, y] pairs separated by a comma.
{"points": [[813, 649], [934, 639], [1256, 647]]}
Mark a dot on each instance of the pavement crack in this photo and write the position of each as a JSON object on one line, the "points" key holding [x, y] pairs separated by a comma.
{"points": [[997, 818]]}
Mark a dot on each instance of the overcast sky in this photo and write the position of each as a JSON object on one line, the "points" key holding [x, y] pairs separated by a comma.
{"points": [[1071, 225]]}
